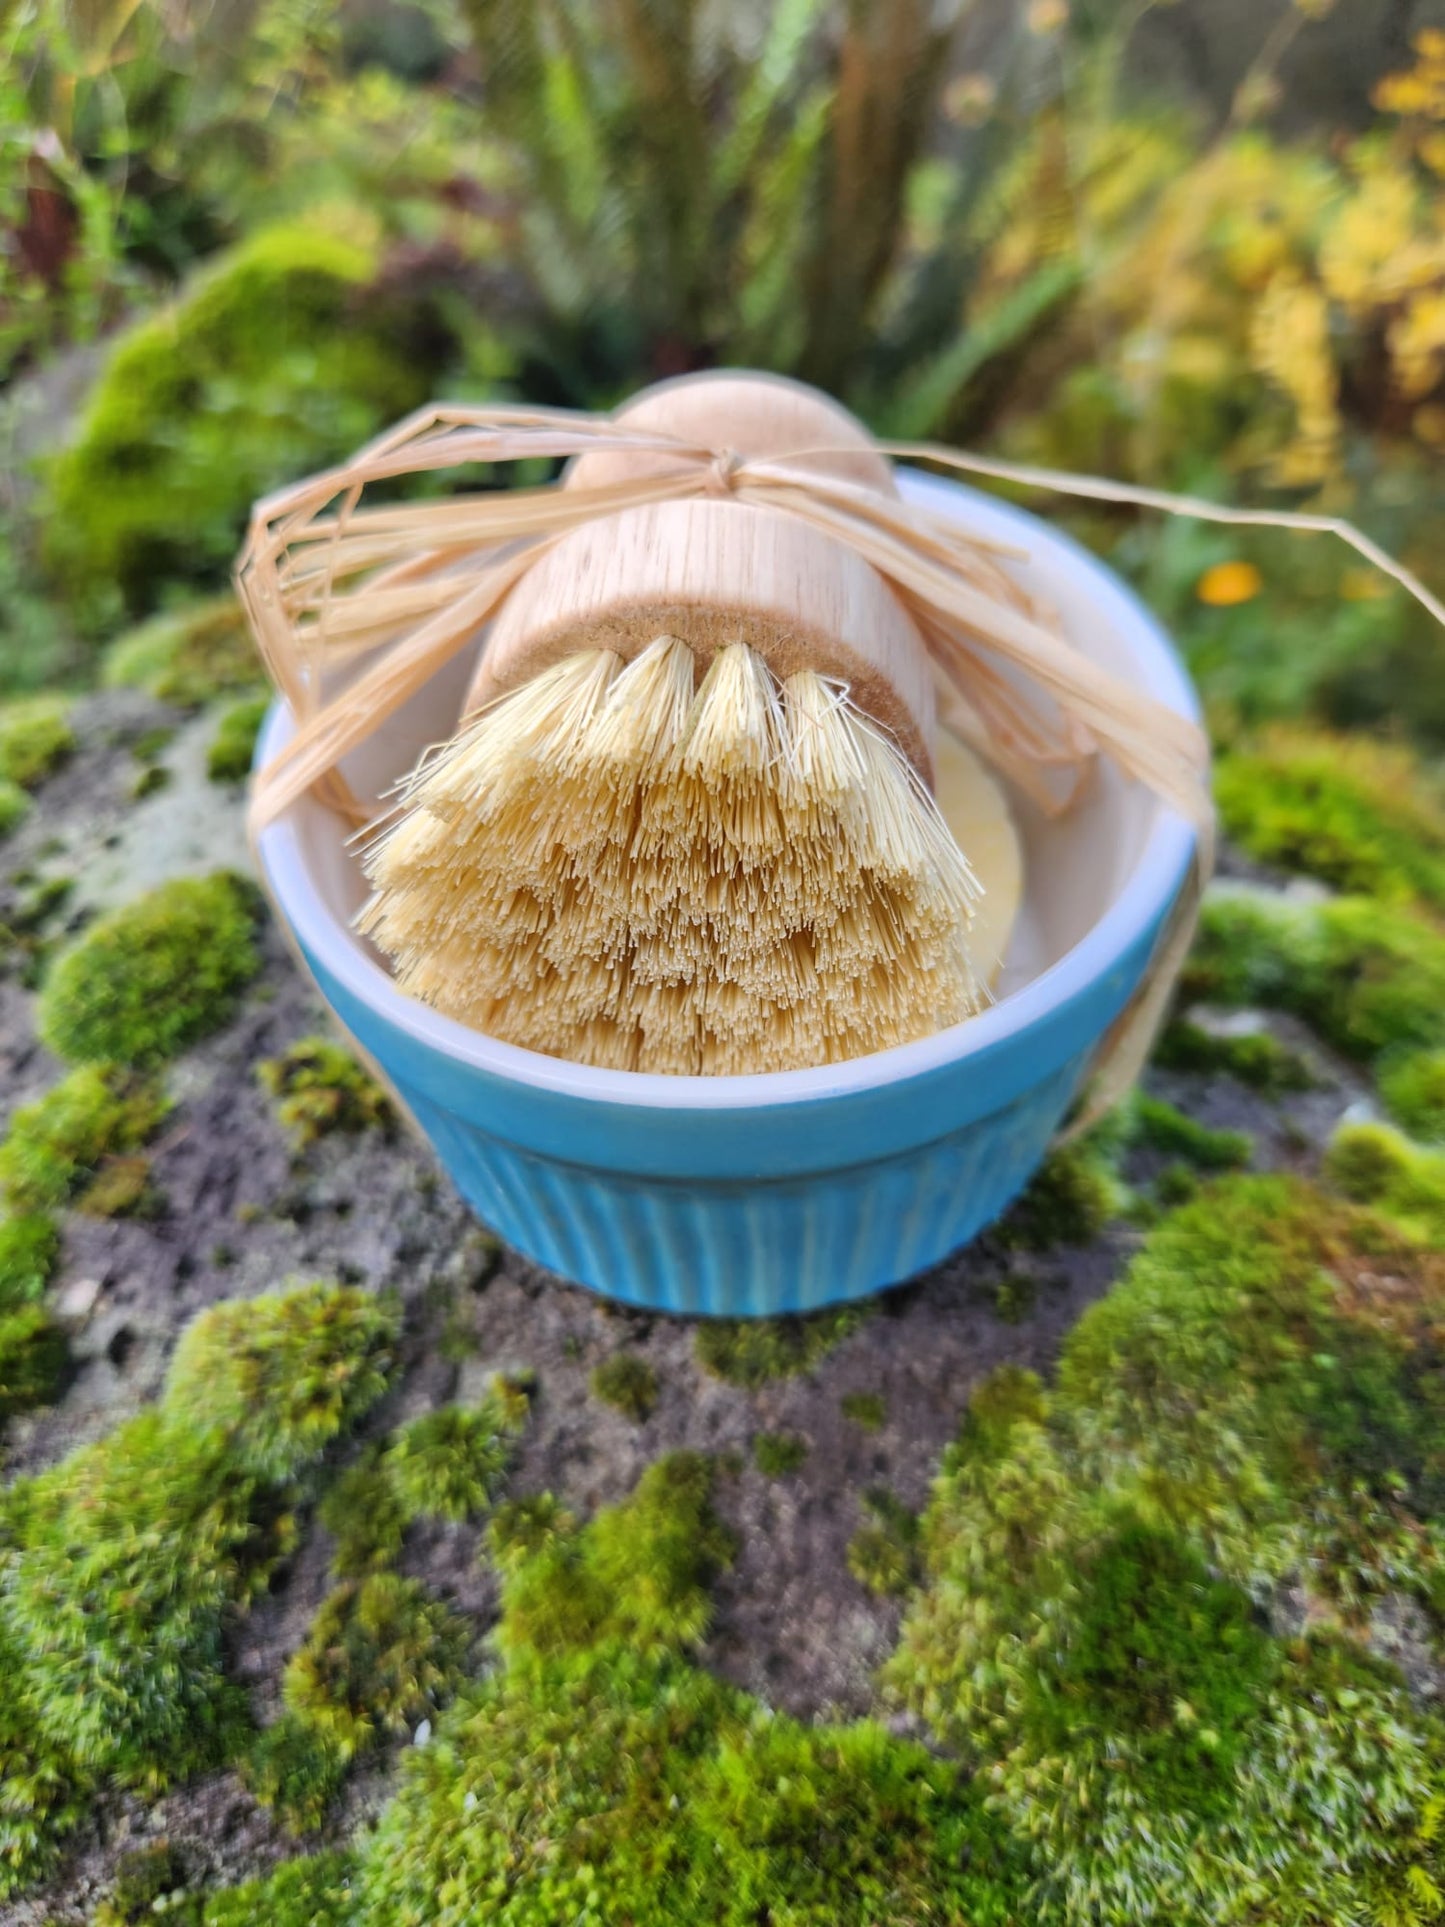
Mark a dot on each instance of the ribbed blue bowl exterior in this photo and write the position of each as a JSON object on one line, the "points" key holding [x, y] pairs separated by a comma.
{"points": [[756, 1211]]}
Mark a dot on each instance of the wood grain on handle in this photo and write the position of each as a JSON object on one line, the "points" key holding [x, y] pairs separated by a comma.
{"points": [[713, 572]]}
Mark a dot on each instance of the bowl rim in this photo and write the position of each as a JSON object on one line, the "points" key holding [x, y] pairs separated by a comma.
{"points": [[1148, 891]]}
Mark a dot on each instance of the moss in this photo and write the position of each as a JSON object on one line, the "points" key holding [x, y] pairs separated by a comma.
{"points": [[147, 1882], [365, 1516], [1413, 1088], [1255, 1059], [318, 1891], [1163, 1127], [753, 1351], [639, 1573], [1406, 1182], [320, 1088], [228, 760], [188, 656], [60, 1145], [883, 1553], [381, 1654], [1368, 977], [278, 1378], [153, 978], [33, 1360], [14, 806], [123, 1567], [29, 1248], [868, 1409], [1356, 813], [599, 1776], [1255, 1403], [266, 367], [628, 1384], [448, 1464], [132, 1552], [35, 739], [1070, 1198], [776, 1454], [294, 1771]]}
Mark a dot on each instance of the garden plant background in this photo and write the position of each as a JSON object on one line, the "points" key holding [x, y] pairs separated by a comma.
{"points": [[352, 1570]]}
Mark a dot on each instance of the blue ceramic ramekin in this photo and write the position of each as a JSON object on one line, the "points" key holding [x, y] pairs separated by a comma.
{"points": [[744, 1196]]}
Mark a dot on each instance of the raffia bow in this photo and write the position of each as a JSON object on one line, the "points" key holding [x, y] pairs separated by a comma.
{"points": [[355, 607]]}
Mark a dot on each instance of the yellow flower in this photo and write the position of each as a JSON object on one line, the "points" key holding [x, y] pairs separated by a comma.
{"points": [[1047, 16], [1229, 583], [1370, 232], [1417, 344], [1289, 344]]}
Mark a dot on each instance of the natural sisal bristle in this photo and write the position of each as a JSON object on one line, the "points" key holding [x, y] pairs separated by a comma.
{"points": [[609, 867]]}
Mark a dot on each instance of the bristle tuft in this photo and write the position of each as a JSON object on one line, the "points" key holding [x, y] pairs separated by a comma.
{"points": [[613, 867]]}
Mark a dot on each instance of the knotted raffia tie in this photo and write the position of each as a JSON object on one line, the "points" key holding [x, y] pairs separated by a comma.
{"points": [[355, 607]]}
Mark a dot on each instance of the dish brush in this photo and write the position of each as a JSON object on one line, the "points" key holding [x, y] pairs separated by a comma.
{"points": [[688, 823]]}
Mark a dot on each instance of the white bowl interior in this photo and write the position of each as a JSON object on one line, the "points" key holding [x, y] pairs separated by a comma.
{"points": [[1104, 862]]}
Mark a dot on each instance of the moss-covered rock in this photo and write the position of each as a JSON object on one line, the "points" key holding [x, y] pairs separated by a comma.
{"points": [[35, 738], [154, 977], [381, 1655], [60, 1147], [187, 656], [228, 760], [601, 1776], [33, 1359], [1254, 1402], [628, 1384], [1413, 1087], [776, 1454], [1356, 813], [752, 1351], [448, 1464], [14, 806], [319, 1087], [1405, 1182], [318, 1891], [122, 1567], [1369, 977], [268, 365], [277, 1379], [1255, 1059], [29, 1247]]}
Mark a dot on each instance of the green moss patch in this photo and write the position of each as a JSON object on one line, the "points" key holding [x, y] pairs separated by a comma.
{"points": [[121, 1568], [148, 980], [14, 806], [752, 1351], [1164, 1128], [599, 1775], [1405, 1182], [1253, 1403], [33, 1360], [628, 1384], [381, 1655], [1255, 1059], [1358, 814], [188, 656], [776, 1454], [228, 760], [280, 1377], [1367, 976], [449, 1464], [883, 1553], [267, 367], [29, 1248], [35, 738], [319, 1087], [73, 1142], [1071, 1198]]}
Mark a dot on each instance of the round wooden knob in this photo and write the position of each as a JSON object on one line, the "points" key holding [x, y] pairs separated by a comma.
{"points": [[713, 572]]}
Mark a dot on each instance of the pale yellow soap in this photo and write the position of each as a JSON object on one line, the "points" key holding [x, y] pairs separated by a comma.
{"points": [[974, 808]]}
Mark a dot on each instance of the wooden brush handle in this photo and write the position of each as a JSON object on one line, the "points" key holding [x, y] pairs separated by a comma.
{"points": [[713, 572]]}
